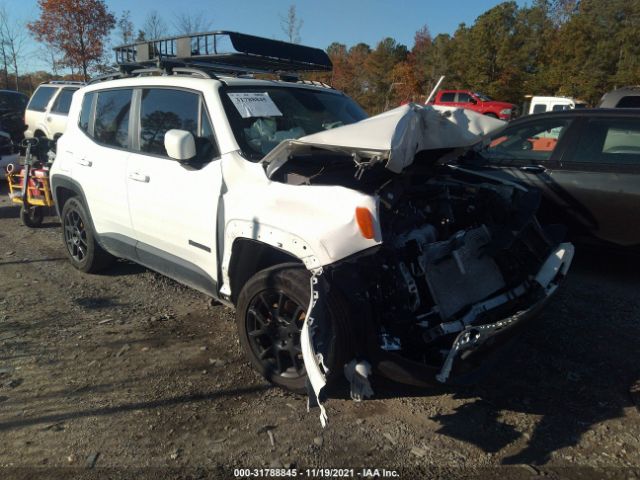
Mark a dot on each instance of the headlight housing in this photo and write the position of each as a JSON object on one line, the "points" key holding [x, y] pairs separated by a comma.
{"points": [[505, 111]]}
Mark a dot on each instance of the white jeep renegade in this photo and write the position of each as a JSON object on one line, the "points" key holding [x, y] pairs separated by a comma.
{"points": [[339, 240]]}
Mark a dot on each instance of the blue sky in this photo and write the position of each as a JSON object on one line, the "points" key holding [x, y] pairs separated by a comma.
{"points": [[325, 21]]}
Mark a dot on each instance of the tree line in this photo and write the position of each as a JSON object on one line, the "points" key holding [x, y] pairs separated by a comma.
{"points": [[577, 48]]}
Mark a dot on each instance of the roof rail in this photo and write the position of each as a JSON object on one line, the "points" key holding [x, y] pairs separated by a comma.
{"points": [[65, 82], [223, 51]]}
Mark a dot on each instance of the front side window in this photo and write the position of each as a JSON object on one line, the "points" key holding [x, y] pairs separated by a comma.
{"points": [[610, 141], [464, 98], [448, 97], [111, 125], [41, 98], [261, 118], [62, 102], [162, 110], [533, 142]]}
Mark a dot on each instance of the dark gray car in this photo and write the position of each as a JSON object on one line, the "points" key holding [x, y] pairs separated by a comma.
{"points": [[587, 164]]}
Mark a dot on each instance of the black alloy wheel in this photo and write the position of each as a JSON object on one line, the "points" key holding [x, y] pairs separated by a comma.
{"points": [[75, 236], [273, 324]]}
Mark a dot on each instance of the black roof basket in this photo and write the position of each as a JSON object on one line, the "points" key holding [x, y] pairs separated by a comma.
{"points": [[223, 51]]}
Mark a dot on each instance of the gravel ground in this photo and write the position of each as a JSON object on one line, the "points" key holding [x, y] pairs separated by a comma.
{"points": [[128, 374]]}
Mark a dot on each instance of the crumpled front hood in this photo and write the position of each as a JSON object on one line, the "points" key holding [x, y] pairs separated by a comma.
{"points": [[396, 136]]}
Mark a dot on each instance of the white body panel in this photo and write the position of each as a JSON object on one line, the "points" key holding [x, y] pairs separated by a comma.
{"points": [[164, 204]]}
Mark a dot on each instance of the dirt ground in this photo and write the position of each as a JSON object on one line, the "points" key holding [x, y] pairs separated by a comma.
{"points": [[128, 374]]}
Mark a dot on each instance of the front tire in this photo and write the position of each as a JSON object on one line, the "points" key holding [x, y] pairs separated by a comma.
{"points": [[79, 238], [271, 310]]}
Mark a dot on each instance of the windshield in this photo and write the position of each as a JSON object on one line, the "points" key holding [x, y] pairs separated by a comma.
{"points": [[483, 97], [262, 117]]}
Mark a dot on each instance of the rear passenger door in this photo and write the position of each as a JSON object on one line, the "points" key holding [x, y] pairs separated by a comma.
{"points": [[600, 174], [173, 205], [100, 162]]}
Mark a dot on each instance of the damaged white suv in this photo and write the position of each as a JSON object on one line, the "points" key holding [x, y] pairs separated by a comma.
{"points": [[340, 240]]}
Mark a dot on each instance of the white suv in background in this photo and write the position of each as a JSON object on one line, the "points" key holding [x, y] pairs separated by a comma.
{"points": [[339, 239], [46, 113]]}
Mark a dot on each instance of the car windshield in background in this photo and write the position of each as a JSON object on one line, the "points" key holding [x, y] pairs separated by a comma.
{"points": [[261, 118], [483, 97]]}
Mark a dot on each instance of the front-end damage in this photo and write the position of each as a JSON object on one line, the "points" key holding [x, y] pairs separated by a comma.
{"points": [[462, 261]]}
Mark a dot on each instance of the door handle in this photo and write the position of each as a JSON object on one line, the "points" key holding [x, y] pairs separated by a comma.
{"points": [[84, 162], [533, 169], [138, 177]]}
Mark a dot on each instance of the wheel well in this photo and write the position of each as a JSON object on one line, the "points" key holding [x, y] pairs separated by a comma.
{"points": [[39, 133], [248, 257], [63, 194]]}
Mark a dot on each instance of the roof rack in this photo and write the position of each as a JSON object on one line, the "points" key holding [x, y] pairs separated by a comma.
{"points": [[222, 51]]}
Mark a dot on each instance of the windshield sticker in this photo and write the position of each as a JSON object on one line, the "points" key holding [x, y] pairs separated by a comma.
{"points": [[254, 105]]}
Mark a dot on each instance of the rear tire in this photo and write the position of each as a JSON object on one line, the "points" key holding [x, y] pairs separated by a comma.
{"points": [[32, 217], [79, 238], [270, 312]]}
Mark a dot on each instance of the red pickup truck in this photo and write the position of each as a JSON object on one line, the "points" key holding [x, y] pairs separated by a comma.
{"points": [[475, 101]]}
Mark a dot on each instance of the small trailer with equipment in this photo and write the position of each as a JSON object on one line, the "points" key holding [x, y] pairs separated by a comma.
{"points": [[34, 194]]}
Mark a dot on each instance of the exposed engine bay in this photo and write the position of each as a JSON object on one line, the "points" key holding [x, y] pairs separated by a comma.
{"points": [[462, 256]]}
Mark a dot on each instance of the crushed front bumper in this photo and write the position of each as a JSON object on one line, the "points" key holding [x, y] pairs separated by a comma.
{"points": [[473, 340]]}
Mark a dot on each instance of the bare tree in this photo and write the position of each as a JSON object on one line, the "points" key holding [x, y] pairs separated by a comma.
{"points": [[154, 26], [291, 24], [185, 23], [13, 37], [125, 27]]}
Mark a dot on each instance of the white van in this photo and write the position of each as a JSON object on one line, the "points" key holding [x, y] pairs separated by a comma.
{"points": [[553, 104]]}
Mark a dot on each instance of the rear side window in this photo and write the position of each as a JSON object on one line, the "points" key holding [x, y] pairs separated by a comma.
{"points": [[629, 102], [85, 113], [539, 108], [41, 98], [111, 125], [448, 97], [62, 102], [610, 141]]}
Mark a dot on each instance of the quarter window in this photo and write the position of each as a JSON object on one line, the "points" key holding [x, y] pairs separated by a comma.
{"points": [[613, 141], [539, 108], [41, 98], [629, 102], [85, 113], [111, 126], [63, 101]]}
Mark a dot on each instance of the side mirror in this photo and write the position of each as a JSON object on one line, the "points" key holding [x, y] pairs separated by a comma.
{"points": [[180, 145], [473, 100]]}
